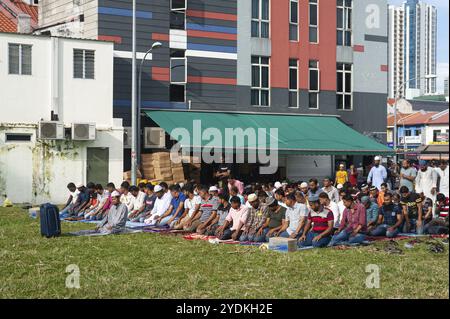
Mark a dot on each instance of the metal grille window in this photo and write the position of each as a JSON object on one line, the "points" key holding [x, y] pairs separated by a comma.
{"points": [[314, 21], [19, 57], [83, 64], [293, 20], [344, 94], [260, 18], [293, 83], [314, 84], [260, 81], [344, 22]]}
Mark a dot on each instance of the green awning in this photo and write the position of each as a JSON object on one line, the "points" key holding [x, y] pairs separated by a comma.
{"points": [[297, 134]]}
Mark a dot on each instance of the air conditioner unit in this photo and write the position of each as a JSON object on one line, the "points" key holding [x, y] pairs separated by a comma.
{"points": [[83, 131], [127, 137], [51, 130], [155, 137]]}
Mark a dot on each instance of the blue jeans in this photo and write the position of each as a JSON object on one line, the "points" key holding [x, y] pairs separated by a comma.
{"points": [[382, 230], [285, 234], [346, 238], [323, 242], [65, 212], [263, 237], [165, 220], [247, 237], [413, 227]]}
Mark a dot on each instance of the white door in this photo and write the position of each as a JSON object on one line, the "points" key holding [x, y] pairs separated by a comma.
{"points": [[303, 168]]}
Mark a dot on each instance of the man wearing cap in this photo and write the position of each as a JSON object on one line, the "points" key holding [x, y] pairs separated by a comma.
{"points": [[257, 216], [304, 188], [214, 191], [295, 220], [319, 227], [330, 190], [377, 174], [274, 221], [426, 180], [372, 212], [407, 175], [206, 214], [365, 191], [237, 218], [117, 216], [162, 203], [176, 207], [353, 226]]}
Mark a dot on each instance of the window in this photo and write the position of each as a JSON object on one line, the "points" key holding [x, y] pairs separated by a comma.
{"points": [[344, 22], [293, 83], [344, 96], [260, 81], [313, 21], [293, 20], [178, 14], [178, 75], [260, 18], [436, 133], [314, 84], [83, 64], [418, 133], [19, 57], [18, 137]]}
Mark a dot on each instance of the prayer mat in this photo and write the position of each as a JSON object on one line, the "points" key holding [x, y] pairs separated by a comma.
{"points": [[93, 232]]}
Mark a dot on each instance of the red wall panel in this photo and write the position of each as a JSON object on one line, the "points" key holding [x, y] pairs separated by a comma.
{"points": [[283, 49]]}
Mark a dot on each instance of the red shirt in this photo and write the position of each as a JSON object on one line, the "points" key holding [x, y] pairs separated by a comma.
{"points": [[353, 178], [352, 220], [320, 220]]}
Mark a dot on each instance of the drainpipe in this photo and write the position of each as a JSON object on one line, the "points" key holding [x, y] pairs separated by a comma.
{"points": [[54, 74]]}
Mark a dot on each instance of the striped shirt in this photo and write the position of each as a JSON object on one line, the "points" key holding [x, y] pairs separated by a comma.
{"points": [[320, 220]]}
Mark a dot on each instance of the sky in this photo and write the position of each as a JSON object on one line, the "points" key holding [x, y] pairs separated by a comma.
{"points": [[442, 38]]}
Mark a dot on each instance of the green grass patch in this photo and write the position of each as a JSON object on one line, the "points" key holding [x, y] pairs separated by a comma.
{"points": [[154, 266]]}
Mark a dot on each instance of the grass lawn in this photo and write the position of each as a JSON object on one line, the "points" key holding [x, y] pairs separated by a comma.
{"points": [[154, 266]]}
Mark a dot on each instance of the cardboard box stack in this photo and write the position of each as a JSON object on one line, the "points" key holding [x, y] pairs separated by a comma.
{"points": [[158, 167]]}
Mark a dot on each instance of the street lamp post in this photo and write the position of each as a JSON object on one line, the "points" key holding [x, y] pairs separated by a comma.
{"points": [[155, 45], [133, 100]]}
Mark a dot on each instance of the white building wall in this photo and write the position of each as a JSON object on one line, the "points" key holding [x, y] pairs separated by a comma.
{"points": [[396, 51], [430, 129], [38, 171], [62, 18]]}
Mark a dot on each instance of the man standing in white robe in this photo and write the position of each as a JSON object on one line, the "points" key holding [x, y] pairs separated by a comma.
{"points": [[426, 181], [442, 173]]}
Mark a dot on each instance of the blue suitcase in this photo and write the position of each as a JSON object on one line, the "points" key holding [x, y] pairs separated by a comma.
{"points": [[50, 222]]}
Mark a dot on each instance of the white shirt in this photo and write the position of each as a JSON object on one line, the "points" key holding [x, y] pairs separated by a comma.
{"points": [[336, 212], [293, 216], [74, 196], [341, 207], [162, 204], [127, 200], [332, 193], [191, 203], [138, 201], [443, 183]]}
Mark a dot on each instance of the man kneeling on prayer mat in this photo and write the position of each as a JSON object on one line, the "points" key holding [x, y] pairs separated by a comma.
{"points": [[238, 217], [117, 216]]}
